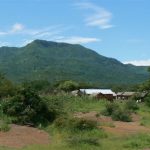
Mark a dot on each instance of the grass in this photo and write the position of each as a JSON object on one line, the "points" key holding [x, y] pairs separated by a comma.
{"points": [[79, 104], [4, 127], [134, 142], [95, 139], [107, 124], [144, 113]]}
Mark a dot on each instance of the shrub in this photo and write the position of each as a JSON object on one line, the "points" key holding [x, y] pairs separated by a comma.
{"points": [[4, 127], [55, 104], [75, 124], [121, 115], [83, 124], [61, 122], [131, 105], [27, 107], [110, 108], [6, 87], [68, 86], [117, 113], [147, 100]]}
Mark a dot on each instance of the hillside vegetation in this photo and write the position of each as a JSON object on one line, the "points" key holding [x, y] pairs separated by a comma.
{"points": [[72, 122], [61, 61]]}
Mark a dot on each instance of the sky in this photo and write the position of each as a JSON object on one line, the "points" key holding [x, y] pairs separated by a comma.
{"points": [[114, 28]]}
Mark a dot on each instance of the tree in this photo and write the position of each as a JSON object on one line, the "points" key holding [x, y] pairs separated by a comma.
{"points": [[6, 87], [68, 86], [27, 107], [38, 85], [148, 69], [145, 87]]}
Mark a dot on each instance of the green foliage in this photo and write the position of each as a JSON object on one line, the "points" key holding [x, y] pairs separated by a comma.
{"points": [[55, 104], [147, 100], [82, 124], [139, 141], [145, 86], [38, 85], [131, 105], [4, 126], [61, 61], [75, 124], [121, 115], [68, 86], [110, 108], [76, 140], [148, 69], [27, 107], [117, 113], [6, 87]]}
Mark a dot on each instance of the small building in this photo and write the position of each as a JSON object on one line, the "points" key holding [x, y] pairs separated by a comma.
{"points": [[76, 93], [99, 93], [125, 95]]}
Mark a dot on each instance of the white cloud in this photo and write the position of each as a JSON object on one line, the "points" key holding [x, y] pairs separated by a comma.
{"points": [[77, 40], [99, 16], [52, 33], [139, 62], [2, 33], [17, 27], [4, 43]]}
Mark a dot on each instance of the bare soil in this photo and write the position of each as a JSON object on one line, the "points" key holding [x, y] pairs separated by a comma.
{"points": [[21, 136], [118, 127]]}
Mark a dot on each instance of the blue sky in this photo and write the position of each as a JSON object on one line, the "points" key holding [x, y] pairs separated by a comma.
{"points": [[114, 28]]}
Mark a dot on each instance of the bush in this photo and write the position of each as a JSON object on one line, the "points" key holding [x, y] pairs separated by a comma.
{"points": [[6, 87], [131, 105], [110, 108], [83, 124], [121, 115], [68, 86], [147, 100], [117, 113], [61, 122], [4, 127], [75, 124], [27, 107]]}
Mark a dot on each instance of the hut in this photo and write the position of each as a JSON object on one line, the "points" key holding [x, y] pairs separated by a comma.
{"points": [[99, 93]]}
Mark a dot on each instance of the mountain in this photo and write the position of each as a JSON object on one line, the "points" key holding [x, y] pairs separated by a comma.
{"points": [[61, 61]]}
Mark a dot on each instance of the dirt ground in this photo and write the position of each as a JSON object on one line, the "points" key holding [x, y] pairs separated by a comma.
{"points": [[116, 127], [20, 136]]}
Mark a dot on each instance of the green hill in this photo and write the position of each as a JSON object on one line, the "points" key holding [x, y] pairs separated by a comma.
{"points": [[61, 61]]}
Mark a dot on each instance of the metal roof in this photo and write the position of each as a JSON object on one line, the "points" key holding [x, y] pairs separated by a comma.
{"points": [[125, 93], [96, 91]]}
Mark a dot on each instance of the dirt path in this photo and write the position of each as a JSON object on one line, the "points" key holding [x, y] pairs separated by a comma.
{"points": [[20, 136], [116, 127]]}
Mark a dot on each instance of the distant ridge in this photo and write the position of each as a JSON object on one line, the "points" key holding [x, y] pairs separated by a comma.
{"points": [[55, 61]]}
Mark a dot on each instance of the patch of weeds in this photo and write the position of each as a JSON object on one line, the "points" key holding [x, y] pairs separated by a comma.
{"points": [[139, 141], [110, 108], [145, 121], [131, 105], [122, 115], [117, 113], [75, 124], [76, 140], [97, 115], [108, 124], [4, 127]]}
